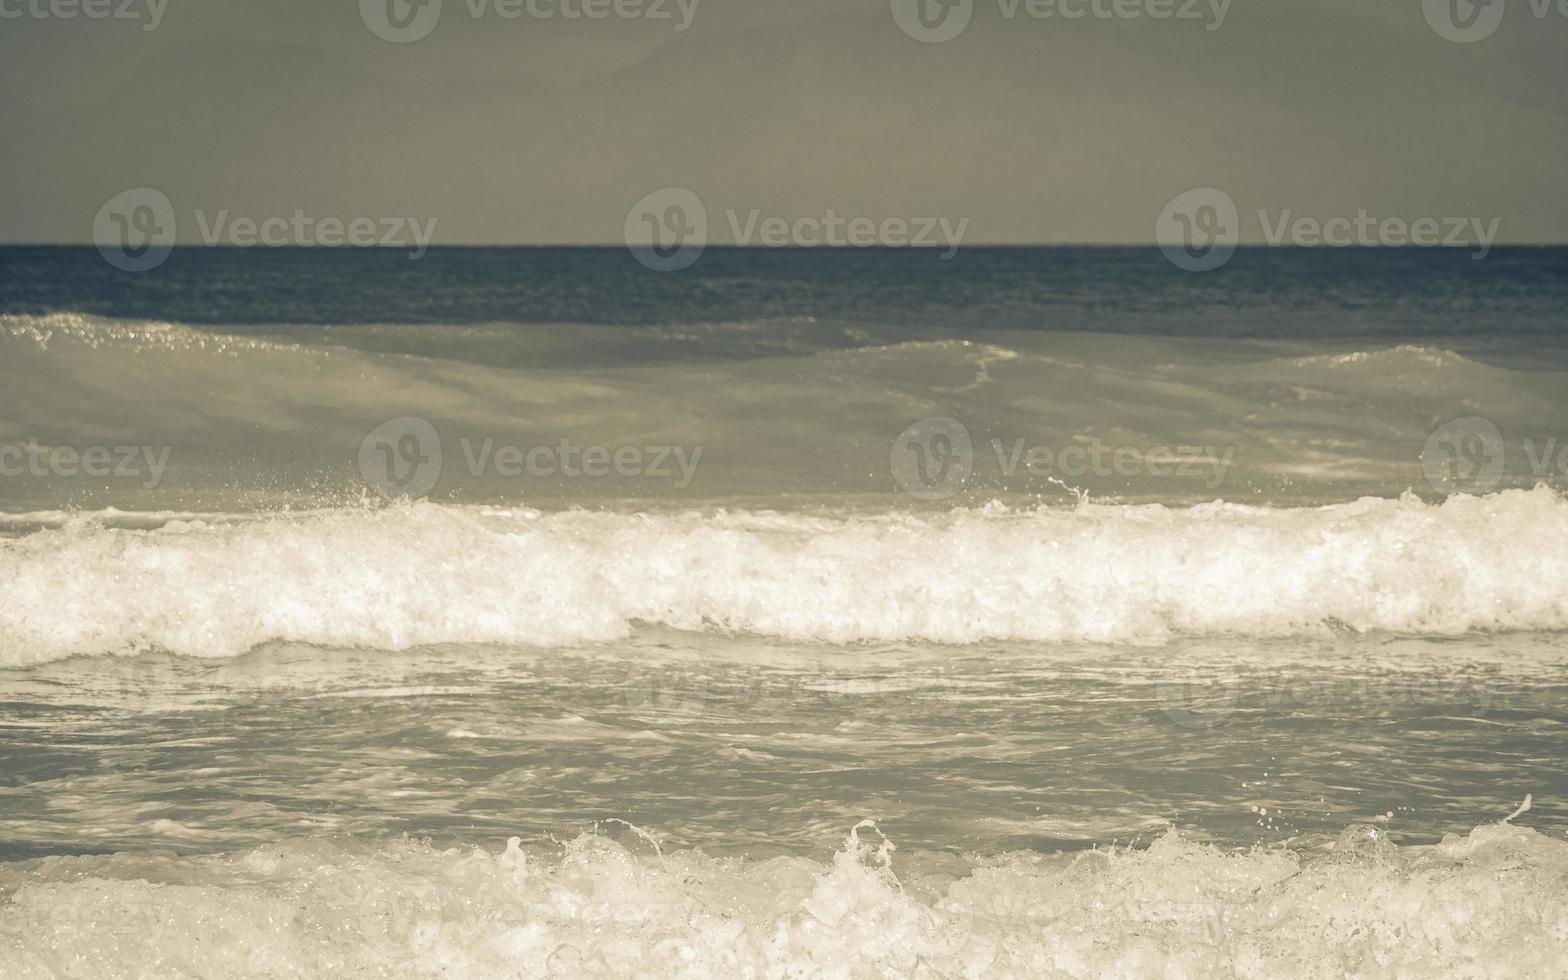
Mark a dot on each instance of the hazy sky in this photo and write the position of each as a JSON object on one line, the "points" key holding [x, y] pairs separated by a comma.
{"points": [[541, 131]]}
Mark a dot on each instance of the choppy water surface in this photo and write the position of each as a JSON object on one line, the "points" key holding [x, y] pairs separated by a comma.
{"points": [[1291, 791], [746, 746], [785, 712]]}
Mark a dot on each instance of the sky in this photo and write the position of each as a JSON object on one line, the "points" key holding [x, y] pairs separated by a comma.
{"points": [[1030, 128]]}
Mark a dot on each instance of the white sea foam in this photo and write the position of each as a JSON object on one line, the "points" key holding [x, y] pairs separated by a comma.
{"points": [[408, 576], [1490, 904]]}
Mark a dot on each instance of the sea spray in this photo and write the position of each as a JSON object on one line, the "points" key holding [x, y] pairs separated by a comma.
{"points": [[1486, 904], [411, 575]]}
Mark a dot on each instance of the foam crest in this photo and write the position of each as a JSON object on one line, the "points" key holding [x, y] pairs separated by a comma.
{"points": [[409, 576], [1490, 904]]}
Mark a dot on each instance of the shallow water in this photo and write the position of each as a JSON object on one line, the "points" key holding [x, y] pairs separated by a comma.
{"points": [[299, 808], [758, 747]]}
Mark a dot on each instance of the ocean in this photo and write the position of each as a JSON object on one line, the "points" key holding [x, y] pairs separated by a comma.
{"points": [[810, 612]]}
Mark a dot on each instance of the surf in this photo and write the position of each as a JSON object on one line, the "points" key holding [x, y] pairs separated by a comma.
{"points": [[1477, 904], [401, 576]]}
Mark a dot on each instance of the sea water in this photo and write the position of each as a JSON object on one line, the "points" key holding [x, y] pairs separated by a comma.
{"points": [[1195, 665]]}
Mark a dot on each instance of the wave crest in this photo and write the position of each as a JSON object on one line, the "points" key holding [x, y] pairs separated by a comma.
{"points": [[1490, 904], [422, 574]]}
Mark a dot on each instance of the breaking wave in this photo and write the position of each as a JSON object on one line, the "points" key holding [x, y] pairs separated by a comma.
{"points": [[1487, 904], [412, 575]]}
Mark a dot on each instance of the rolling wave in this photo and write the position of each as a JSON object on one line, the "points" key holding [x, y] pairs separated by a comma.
{"points": [[246, 426], [1486, 904], [412, 575]]}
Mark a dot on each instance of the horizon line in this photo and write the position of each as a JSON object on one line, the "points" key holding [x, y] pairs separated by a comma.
{"points": [[1466, 246]]}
